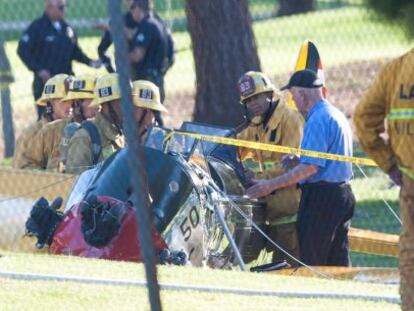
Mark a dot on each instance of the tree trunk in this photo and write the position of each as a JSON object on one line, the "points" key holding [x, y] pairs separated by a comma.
{"points": [[7, 112], [224, 48], [290, 7]]}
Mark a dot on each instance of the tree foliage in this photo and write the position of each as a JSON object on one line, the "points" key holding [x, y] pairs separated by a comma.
{"points": [[400, 11]]}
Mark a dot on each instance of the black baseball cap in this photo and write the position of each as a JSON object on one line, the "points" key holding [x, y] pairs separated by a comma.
{"points": [[305, 78]]}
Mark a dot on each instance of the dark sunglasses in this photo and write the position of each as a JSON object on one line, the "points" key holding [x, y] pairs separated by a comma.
{"points": [[61, 7]]}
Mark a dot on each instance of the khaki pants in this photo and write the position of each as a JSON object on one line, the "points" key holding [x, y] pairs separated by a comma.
{"points": [[407, 245]]}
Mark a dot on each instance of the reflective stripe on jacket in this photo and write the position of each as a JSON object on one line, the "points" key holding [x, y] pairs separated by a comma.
{"points": [[285, 127], [390, 98]]}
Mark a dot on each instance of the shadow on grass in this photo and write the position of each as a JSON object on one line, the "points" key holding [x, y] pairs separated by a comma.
{"points": [[374, 215], [368, 260]]}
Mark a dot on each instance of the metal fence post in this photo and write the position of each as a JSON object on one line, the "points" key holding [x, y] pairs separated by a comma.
{"points": [[6, 78], [135, 154]]}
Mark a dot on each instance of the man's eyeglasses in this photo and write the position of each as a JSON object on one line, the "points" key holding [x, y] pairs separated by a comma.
{"points": [[61, 7]]}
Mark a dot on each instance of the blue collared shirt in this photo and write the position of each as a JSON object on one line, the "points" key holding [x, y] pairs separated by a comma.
{"points": [[327, 130]]}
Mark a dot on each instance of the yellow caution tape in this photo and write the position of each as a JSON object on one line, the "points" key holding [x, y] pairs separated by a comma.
{"points": [[278, 148]]}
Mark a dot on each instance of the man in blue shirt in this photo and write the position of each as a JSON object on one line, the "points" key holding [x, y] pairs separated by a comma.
{"points": [[327, 202]]}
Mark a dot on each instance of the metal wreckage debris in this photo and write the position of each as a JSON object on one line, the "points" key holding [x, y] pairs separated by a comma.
{"points": [[192, 186]]}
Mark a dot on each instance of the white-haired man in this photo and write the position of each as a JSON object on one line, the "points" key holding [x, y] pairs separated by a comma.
{"points": [[327, 202]]}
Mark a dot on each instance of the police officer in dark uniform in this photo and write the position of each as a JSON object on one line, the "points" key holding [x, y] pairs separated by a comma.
{"points": [[130, 26], [151, 49], [48, 46]]}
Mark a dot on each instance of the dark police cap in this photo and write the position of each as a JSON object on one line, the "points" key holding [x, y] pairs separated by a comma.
{"points": [[303, 78]]}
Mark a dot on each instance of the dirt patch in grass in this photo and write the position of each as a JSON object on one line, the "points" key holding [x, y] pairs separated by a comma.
{"points": [[346, 84]]}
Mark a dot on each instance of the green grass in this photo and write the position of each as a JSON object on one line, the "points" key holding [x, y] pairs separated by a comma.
{"points": [[6, 162], [368, 260], [36, 295], [341, 35], [371, 211]]}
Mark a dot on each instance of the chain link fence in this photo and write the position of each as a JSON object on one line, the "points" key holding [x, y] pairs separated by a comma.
{"points": [[352, 44]]}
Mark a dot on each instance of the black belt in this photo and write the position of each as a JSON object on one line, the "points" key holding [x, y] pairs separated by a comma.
{"points": [[321, 184]]}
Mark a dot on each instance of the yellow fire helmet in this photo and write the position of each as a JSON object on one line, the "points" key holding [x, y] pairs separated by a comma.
{"points": [[106, 89], [146, 94], [82, 87], [253, 83], [55, 88]]}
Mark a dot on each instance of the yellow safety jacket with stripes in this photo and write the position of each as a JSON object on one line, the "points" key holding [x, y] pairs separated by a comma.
{"points": [[284, 127], [388, 108]]}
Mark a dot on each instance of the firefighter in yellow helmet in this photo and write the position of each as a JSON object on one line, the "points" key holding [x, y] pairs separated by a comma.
{"points": [[97, 139], [146, 99], [54, 112], [271, 121], [42, 150], [80, 96]]}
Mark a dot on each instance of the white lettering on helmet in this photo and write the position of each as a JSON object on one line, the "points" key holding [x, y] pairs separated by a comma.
{"points": [[105, 91], [146, 94], [79, 85], [49, 89]]}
